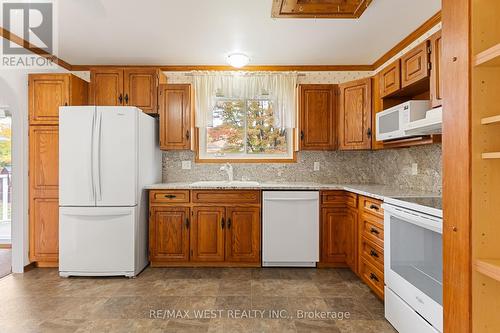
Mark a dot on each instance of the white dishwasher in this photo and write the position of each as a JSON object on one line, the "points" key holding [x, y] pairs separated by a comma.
{"points": [[290, 228]]}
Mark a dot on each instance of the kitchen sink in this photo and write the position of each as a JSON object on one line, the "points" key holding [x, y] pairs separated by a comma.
{"points": [[222, 183]]}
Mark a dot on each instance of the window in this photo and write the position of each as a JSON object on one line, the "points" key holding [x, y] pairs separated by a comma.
{"points": [[244, 129]]}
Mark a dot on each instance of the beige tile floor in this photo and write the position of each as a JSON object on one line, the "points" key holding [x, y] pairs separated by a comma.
{"points": [[41, 301]]}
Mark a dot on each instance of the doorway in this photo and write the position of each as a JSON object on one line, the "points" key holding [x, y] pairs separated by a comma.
{"points": [[5, 191]]}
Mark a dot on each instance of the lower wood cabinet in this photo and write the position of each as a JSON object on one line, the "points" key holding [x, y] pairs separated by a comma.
{"points": [[203, 234], [169, 233], [338, 229], [207, 234], [371, 244]]}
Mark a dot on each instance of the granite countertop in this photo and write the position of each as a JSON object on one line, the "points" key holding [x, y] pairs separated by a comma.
{"points": [[370, 190]]}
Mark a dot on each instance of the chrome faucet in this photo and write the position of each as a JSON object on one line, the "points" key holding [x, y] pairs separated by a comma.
{"points": [[229, 170]]}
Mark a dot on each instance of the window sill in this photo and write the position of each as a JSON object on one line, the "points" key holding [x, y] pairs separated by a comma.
{"points": [[235, 160]]}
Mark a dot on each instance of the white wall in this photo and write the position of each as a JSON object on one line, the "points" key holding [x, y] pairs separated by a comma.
{"points": [[14, 93]]}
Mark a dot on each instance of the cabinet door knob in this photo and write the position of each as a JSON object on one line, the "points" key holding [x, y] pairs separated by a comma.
{"points": [[369, 133], [126, 98], [120, 99], [187, 135], [222, 223], [229, 223], [301, 135], [187, 223]]}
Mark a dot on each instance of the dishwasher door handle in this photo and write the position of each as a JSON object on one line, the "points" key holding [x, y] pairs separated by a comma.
{"points": [[291, 199]]}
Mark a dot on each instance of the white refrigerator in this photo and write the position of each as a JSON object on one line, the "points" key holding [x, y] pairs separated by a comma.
{"points": [[106, 156]]}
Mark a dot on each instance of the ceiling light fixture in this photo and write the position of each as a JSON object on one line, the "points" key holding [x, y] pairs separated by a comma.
{"points": [[238, 60]]}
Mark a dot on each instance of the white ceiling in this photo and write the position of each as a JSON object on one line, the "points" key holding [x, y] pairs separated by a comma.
{"points": [[203, 32]]}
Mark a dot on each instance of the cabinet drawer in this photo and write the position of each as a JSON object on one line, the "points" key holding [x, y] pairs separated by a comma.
{"points": [[226, 197], [339, 198], [372, 277], [372, 206], [170, 196], [372, 230], [372, 253]]}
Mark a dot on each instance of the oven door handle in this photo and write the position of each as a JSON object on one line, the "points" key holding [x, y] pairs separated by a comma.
{"points": [[417, 219]]}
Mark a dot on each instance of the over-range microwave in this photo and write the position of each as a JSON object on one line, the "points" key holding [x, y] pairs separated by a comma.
{"points": [[392, 123]]}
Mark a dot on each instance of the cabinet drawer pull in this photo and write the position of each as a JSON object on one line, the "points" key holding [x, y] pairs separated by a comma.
{"points": [[374, 277], [374, 253], [222, 223], [375, 207], [187, 223], [229, 223], [374, 231], [170, 196]]}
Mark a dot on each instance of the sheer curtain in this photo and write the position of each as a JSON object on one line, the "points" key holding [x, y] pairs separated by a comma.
{"points": [[278, 87]]}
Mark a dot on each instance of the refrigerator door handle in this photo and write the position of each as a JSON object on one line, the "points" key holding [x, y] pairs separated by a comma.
{"points": [[92, 185], [99, 188]]}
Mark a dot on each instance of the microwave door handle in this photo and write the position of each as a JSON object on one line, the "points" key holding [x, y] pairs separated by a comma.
{"points": [[415, 219]]}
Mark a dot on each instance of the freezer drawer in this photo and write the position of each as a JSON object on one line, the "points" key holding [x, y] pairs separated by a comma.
{"points": [[97, 240], [290, 228]]}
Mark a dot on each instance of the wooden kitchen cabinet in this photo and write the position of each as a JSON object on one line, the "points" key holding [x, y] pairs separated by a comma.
{"points": [[115, 86], [415, 65], [338, 236], [47, 92], [436, 85], [355, 115], [219, 228], [390, 79], [338, 230], [243, 234], [175, 116], [207, 234], [169, 233], [371, 244], [317, 113], [44, 194], [106, 87]]}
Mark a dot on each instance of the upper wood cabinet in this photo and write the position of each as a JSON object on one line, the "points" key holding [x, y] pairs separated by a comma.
{"points": [[415, 65], [126, 87], [390, 79], [175, 116], [243, 234], [106, 87], [355, 115], [47, 92], [317, 116], [436, 87]]}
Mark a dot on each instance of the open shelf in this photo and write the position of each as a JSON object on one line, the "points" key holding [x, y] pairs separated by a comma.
{"points": [[490, 156], [490, 120], [490, 57], [488, 267]]}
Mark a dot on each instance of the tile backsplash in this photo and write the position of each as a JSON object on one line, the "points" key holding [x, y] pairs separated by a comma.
{"points": [[388, 167]]}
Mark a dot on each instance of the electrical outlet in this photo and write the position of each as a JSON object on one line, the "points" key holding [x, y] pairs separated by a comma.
{"points": [[414, 169], [186, 165], [316, 166]]}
